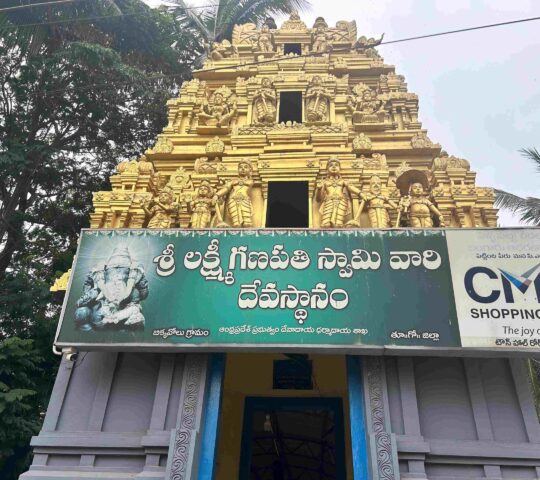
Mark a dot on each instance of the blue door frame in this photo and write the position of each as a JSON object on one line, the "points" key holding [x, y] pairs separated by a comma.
{"points": [[357, 415], [211, 414], [212, 411]]}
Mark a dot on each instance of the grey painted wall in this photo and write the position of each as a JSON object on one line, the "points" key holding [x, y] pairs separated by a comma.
{"points": [[117, 415], [456, 418]]}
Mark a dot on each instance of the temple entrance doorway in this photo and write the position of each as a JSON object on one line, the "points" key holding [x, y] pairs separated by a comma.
{"points": [[284, 417], [293, 439], [288, 205]]}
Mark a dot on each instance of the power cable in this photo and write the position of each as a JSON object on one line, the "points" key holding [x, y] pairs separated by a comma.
{"points": [[84, 19], [461, 30], [295, 57], [30, 5], [101, 17]]}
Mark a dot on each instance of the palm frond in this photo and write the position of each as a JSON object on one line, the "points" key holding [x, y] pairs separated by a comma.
{"points": [[257, 10], [527, 208], [532, 154], [195, 18], [233, 12]]}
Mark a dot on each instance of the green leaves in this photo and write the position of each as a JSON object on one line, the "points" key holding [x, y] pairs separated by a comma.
{"points": [[216, 23], [82, 89], [527, 208], [18, 366]]}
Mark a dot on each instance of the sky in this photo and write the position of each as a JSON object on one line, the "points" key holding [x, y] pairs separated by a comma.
{"points": [[479, 91]]}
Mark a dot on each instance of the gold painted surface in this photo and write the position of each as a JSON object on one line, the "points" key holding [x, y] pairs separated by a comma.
{"points": [[61, 284], [250, 375], [354, 107]]}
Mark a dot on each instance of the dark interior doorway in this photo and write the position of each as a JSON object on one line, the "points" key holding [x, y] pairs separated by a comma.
{"points": [[290, 107], [293, 439], [288, 205], [295, 48]]}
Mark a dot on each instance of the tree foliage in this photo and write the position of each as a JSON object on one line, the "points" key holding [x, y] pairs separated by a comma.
{"points": [[527, 208], [216, 21], [76, 97], [19, 367]]}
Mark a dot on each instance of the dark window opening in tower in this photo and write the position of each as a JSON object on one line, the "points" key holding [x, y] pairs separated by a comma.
{"points": [[295, 48], [290, 107], [287, 205]]}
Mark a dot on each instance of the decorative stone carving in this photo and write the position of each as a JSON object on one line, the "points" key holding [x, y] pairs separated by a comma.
{"points": [[377, 204], [264, 103], [344, 32], [163, 211], [288, 126], [253, 129], [265, 40], [218, 109], [377, 162], [445, 162], [415, 204], [163, 145], [383, 444], [364, 105], [204, 165], [294, 23], [182, 445], [245, 34], [317, 101], [320, 22], [402, 168], [364, 43], [334, 195], [202, 208], [180, 180], [220, 50], [129, 167], [215, 147], [421, 140], [237, 197], [361, 142], [321, 43]]}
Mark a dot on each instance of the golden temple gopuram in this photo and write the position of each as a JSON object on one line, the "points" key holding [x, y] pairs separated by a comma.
{"points": [[196, 348], [314, 106]]}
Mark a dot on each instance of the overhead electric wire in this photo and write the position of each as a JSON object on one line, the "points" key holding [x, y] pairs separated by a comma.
{"points": [[98, 17], [295, 57], [30, 5], [461, 30], [101, 17]]}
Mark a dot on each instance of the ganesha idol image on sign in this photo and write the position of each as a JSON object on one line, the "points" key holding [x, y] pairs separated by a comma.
{"points": [[112, 295]]}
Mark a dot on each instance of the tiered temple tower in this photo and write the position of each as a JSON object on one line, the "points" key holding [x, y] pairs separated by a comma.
{"points": [[290, 127], [274, 106]]}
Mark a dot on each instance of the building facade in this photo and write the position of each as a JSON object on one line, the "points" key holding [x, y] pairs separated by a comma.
{"points": [[291, 127]]}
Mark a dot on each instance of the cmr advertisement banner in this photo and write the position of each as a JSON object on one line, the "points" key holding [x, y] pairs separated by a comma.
{"points": [[305, 289]]}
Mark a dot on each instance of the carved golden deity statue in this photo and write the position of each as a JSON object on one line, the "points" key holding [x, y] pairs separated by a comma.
{"points": [[334, 194], [419, 208], [219, 110], [163, 212], [317, 101], [320, 36], [287, 115], [364, 105], [377, 204], [203, 206], [265, 102], [265, 41], [237, 196]]}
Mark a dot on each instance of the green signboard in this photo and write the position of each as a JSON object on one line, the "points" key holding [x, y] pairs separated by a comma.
{"points": [[184, 289]]}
